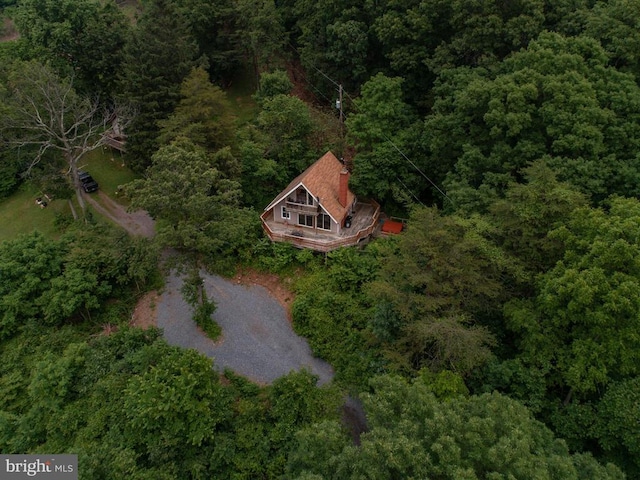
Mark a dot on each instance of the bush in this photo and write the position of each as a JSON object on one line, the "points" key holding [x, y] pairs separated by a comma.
{"points": [[202, 317]]}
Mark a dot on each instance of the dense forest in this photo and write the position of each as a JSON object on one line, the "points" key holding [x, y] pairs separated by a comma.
{"points": [[497, 337]]}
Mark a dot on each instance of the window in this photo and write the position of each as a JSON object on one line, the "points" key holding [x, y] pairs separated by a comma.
{"points": [[324, 221], [303, 197], [285, 213], [305, 220]]}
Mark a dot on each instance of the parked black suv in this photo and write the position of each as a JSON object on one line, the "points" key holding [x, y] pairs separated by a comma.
{"points": [[88, 183]]}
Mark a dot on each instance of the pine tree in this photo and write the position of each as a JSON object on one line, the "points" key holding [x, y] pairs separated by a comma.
{"points": [[158, 57]]}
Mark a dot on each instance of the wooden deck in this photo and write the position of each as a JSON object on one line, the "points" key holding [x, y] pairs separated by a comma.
{"points": [[116, 144], [363, 224]]}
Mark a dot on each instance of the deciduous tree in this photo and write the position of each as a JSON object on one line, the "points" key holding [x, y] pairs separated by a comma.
{"points": [[449, 281], [413, 435], [581, 326], [556, 100], [83, 38], [46, 115], [378, 130]]}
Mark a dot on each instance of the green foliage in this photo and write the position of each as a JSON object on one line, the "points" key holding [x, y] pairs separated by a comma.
{"points": [[529, 211], [296, 401], [382, 117], [52, 281], [583, 321], [413, 435], [335, 41], [28, 266], [615, 429], [518, 123], [261, 34], [332, 312], [193, 292], [214, 27], [261, 176], [10, 168], [316, 450], [272, 84], [422, 38], [80, 37], [381, 112], [286, 122], [275, 257], [158, 55], [431, 308], [196, 207], [132, 406], [203, 115], [614, 25], [556, 100], [186, 381], [444, 384]]}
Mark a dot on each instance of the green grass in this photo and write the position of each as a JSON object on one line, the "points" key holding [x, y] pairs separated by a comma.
{"points": [[108, 168], [19, 214], [240, 96]]}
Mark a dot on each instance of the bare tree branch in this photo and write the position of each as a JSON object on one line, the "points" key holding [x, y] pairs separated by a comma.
{"points": [[45, 112]]}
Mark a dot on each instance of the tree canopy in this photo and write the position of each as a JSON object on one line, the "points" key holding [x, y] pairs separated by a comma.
{"points": [[556, 100], [504, 134], [581, 326], [411, 434]]}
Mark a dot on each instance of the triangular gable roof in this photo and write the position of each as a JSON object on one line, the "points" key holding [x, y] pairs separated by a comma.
{"points": [[322, 180]]}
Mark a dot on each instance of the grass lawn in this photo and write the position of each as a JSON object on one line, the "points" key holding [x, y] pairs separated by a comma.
{"points": [[107, 167], [19, 214], [240, 96]]}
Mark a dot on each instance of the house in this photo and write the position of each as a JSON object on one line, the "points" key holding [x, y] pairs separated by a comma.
{"points": [[318, 211]]}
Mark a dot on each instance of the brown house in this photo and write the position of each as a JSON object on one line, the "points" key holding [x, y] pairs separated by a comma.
{"points": [[318, 211]]}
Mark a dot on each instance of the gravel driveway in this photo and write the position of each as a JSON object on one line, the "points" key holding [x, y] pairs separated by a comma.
{"points": [[257, 339]]}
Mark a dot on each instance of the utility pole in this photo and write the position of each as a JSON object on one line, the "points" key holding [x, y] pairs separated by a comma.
{"points": [[339, 107], [340, 103]]}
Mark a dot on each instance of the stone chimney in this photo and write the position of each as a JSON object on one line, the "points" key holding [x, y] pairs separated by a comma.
{"points": [[344, 187]]}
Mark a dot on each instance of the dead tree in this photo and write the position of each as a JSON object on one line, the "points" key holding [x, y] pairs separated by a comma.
{"points": [[46, 114]]}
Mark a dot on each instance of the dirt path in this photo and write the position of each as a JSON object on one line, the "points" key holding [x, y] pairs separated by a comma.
{"points": [[136, 223]]}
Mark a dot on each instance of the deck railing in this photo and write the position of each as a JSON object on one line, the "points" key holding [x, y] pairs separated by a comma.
{"points": [[300, 207], [323, 245]]}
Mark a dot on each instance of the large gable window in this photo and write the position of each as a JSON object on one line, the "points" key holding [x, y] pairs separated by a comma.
{"points": [[303, 197], [305, 220], [324, 221]]}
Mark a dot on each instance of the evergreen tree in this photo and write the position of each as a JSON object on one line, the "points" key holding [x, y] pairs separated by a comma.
{"points": [[157, 58]]}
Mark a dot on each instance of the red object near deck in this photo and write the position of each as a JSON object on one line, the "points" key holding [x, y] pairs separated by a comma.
{"points": [[391, 226]]}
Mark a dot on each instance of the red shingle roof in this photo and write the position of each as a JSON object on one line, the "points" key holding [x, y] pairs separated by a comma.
{"points": [[322, 180]]}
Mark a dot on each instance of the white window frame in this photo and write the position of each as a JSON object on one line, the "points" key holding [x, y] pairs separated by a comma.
{"points": [[321, 223], [301, 215], [284, 213]]}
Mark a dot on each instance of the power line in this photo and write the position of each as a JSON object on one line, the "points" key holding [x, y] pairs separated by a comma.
{"points": [[409, 160], [385, 137], [409, 190], [416, 167], [316, 68]]}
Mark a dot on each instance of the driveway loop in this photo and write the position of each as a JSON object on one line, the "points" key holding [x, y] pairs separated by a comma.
{"points": [[257, 340]]}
